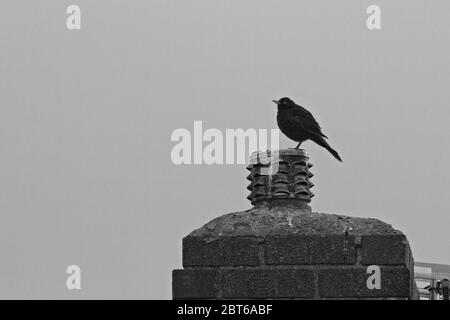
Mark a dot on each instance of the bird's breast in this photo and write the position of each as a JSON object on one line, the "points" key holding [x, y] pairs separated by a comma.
{"points": [[290, 128]]}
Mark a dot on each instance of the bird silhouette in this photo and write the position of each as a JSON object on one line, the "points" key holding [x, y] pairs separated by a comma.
{"points": [[298, 124]]}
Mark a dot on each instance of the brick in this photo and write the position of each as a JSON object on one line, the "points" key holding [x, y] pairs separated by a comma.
{"points": [[224, 251], [195, 284], [268, 283], [306, 249], [385, 250], [351, 282]]}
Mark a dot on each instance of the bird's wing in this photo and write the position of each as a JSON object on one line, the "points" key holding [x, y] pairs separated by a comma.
{"points": [[305, 119]]}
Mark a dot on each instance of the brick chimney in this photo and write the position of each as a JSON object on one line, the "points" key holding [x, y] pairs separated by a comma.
{"points": [[281, 249]]}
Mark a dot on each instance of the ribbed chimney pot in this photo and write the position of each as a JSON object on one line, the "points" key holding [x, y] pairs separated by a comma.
{"points": [[280, 177]]}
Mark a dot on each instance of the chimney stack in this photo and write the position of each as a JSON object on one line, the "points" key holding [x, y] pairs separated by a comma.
{"points": [[280, 249]]}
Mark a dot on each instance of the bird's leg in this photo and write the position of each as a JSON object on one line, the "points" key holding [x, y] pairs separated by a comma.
{"points": [[298, 146]]}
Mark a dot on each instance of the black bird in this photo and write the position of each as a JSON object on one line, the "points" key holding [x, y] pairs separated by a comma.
{"points": [[298, 124]]}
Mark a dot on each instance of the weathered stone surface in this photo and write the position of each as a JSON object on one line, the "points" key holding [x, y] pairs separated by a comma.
{"points": [[195, 284], [347, 282], [267, 283], [289, 235], [309, 249], [224, 251], [285, 220], [385, 249]]}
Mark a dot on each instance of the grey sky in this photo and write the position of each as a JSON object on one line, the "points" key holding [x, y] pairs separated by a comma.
{"points": [[86, 118]]}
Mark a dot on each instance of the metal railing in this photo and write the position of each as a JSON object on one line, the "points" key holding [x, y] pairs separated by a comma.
{"points": [[435, 284]]}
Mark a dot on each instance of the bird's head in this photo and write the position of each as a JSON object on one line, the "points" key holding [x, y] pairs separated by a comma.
{"points": [[284, 103]]}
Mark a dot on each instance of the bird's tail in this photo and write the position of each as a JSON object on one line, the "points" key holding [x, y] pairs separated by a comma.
{"points": [[321, 142]]}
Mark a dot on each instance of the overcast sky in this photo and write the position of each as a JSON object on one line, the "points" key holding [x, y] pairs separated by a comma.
{"points": [[86, 117]]}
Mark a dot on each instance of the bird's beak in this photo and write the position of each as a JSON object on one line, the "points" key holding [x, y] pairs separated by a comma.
{"points": [[275, 101]]}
